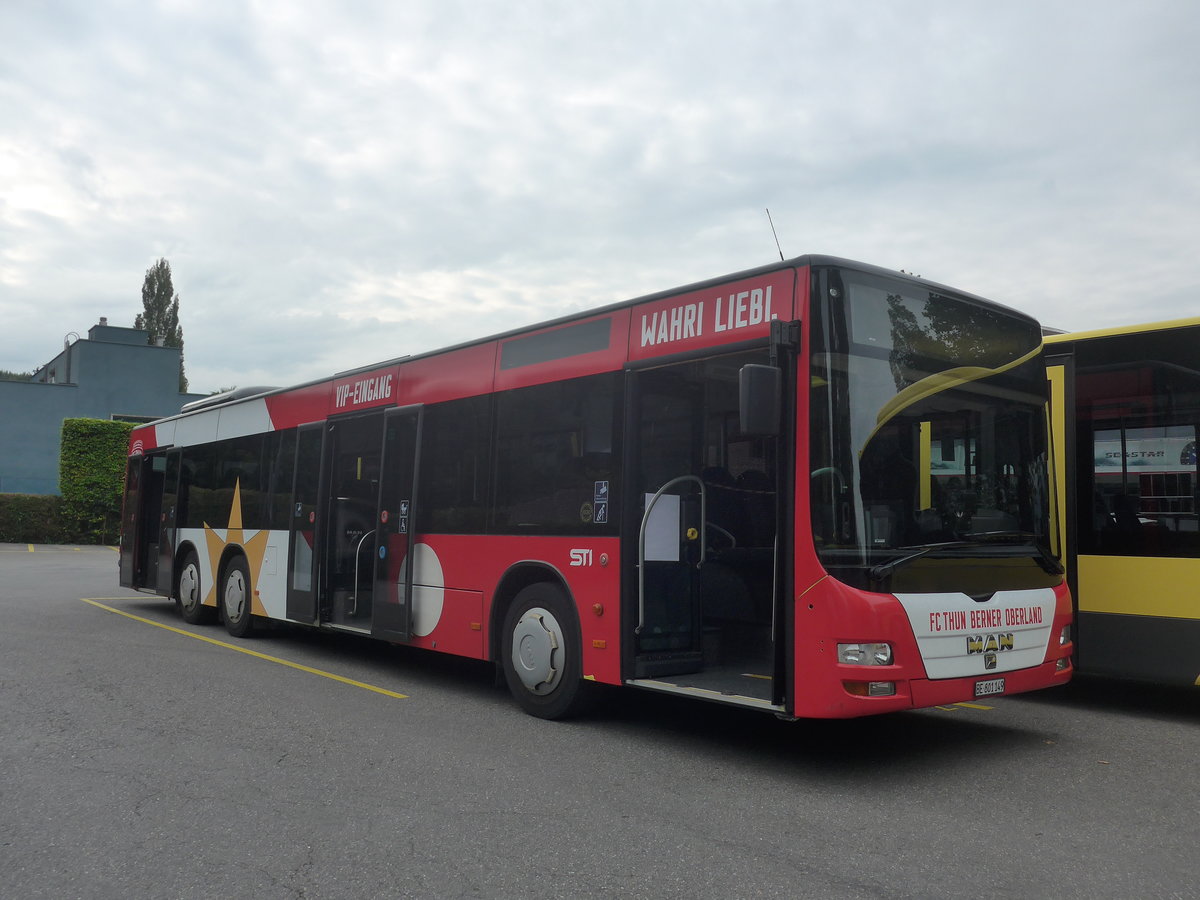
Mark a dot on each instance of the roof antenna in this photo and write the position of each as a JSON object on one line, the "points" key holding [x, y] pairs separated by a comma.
{"points": [[777, 247]]}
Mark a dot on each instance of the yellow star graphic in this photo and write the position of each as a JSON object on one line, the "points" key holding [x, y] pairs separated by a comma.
{"points": [[254, 549]]}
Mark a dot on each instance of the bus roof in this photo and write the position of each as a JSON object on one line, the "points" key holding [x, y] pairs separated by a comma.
{"points": [[1165, 325], [242, 395]]}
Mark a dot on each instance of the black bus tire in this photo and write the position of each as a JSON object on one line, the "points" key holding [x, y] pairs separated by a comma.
{"points": [[235, 596], [541, 653], [189, 592]]}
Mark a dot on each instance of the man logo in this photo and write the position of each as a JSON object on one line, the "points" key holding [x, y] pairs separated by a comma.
{"points": [[988, 643], [989, 660]]}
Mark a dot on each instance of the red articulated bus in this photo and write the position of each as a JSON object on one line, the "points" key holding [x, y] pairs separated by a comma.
{"points": [[816, 488]]}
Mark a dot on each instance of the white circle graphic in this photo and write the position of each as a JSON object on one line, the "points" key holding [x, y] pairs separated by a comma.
{"points": [[429, 590]]}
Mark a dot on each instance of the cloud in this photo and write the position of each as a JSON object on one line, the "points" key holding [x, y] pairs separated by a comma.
{"points": [[337, 184]]}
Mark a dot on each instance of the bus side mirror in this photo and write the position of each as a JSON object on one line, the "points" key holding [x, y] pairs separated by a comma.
{"points": [[759, 391]]}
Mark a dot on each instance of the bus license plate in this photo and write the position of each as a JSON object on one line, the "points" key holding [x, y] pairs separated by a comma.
{"points": [[984, 688]]}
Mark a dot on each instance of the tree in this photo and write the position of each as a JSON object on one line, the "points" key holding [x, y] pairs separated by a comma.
{"points": [[160, 316]]}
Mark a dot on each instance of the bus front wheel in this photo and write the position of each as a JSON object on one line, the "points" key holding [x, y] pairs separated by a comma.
{"points": [[235, 597], [540, 651], [190, 593]]}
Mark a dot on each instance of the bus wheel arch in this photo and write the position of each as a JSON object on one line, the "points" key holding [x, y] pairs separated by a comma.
{"points": [[511, 583], [538, 644], [189, 587], [235, 593]]}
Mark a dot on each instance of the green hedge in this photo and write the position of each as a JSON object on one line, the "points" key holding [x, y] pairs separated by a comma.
{"points": [[32, 519], [91, 476]]}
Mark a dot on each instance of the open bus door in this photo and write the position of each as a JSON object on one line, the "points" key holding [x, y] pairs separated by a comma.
{"points": [[701, 537], [353, 505], [305, 527], [141, 522], [130, 515], [671, 533], [395, 525], [168, 513], [350, 496]]}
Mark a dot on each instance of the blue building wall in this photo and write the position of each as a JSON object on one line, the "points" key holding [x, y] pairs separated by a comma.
{"points": [[112, 374]]}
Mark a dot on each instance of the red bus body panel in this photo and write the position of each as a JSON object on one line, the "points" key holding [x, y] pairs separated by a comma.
{"points": [[474, 566]]}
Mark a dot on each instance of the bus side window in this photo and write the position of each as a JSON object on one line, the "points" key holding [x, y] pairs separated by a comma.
{"points": [[553, 456], [454, 468]]}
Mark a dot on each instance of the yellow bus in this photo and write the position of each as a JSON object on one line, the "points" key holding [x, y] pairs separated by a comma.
{"points": [[1126, 411]]}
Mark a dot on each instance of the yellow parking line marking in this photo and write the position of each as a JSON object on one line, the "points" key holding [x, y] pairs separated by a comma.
{"points": [[752, 675], [44, 548], [254, 653], [963, 706], [15, 547]]}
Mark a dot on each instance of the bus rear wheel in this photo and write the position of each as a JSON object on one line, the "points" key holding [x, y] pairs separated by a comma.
{"points": [[235, 597], [541, 653], [189, 592]]}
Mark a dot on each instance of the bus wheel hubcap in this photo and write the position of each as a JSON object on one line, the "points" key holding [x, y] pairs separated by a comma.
{"points": [[235, 597], [537, 650], [188, 580]]}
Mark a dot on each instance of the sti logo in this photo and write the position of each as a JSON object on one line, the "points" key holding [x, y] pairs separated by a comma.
{"points": [[581, 557]]}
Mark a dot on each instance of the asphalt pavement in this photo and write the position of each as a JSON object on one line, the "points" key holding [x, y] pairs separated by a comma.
{"points": [[144, 757]]}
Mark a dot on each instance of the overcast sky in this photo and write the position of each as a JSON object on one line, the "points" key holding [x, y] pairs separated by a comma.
{"points": [[339, 183]]}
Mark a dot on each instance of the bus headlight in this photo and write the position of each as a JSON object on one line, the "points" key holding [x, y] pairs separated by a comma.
{"points": [[865, 654], [1065, 637]]}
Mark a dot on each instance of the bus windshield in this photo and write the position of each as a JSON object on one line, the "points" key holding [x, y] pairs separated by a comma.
{"points": [[928, 434]]}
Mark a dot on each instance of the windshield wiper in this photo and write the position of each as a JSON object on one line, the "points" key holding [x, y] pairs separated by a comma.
{"points": [[884, 570], [1048, 563]]}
